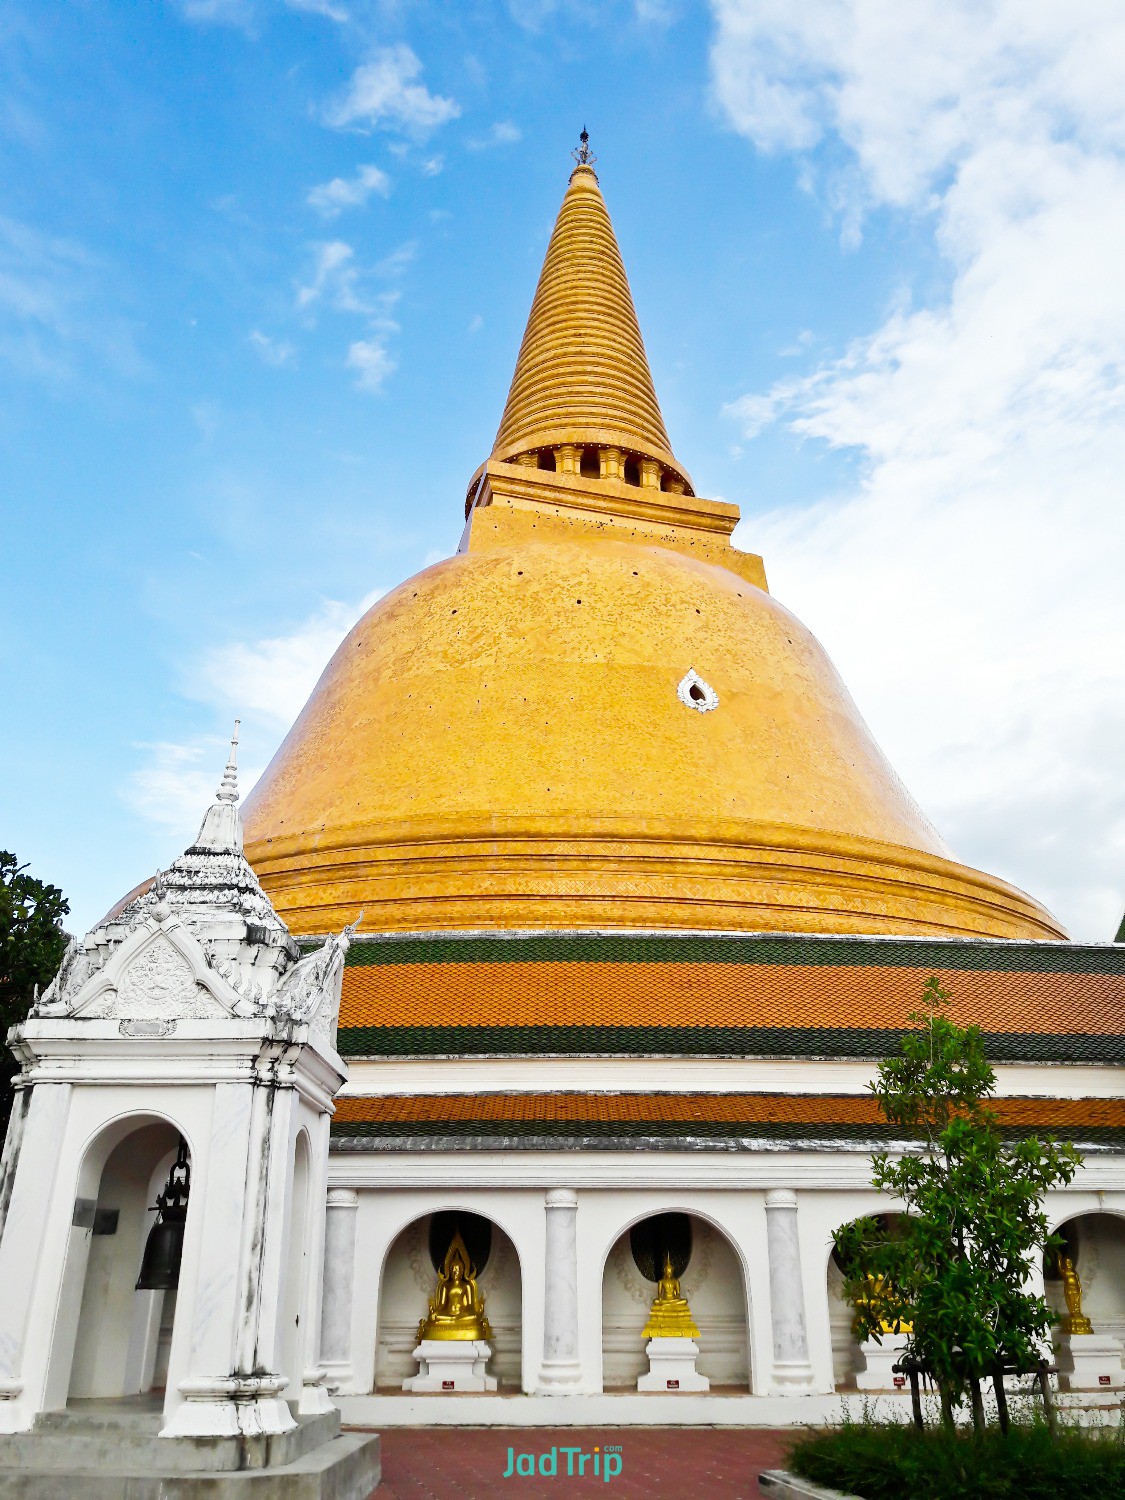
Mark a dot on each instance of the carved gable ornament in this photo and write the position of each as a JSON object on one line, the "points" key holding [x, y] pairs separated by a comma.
{"points": [[160, 972]]}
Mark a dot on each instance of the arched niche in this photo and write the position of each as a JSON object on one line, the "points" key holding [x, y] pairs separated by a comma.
{"points": [[112, 1340], [847, 1357], [408, 1280], [711, 1279], [1096, 1242]]}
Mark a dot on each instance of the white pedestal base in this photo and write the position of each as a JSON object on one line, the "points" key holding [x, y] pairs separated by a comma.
{"points": [[671, 1367], [1089, 1361], [878, 1359], [451, 1365]]}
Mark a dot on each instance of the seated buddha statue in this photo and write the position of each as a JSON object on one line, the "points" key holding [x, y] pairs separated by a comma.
{"points": [[457, 1307], [670, 1317], [1075, 1321]]}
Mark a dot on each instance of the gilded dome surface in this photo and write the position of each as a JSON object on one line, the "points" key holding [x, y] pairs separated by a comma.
{"points": [[501, 742], [595, 715]]}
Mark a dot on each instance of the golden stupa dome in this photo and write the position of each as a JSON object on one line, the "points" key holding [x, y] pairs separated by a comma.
{"points": [[595, 715]]}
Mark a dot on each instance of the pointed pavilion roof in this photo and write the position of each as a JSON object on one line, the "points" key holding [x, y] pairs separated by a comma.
{"points": [[582, 375]]}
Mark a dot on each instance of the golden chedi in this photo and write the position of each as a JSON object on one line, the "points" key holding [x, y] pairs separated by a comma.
{"points": [[457, 1308], [595, 715], [670, 1316]]}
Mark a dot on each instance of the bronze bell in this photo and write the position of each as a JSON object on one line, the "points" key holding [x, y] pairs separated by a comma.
{"points": [[160, 1264]]}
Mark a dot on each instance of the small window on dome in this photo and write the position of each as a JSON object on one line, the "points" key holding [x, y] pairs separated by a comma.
{"points": [[547, 459], [693, 692], [631, 472], [591, 467]]}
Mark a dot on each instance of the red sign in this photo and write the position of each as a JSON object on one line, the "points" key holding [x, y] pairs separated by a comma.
{"points": [[673, 1385], [900, 1381], [448, 1385], [1103, 1379]]}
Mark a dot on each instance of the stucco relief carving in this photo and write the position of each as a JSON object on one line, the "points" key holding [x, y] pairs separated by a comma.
{"points": [[624, 1267], [416, 1244], [158, 983]]}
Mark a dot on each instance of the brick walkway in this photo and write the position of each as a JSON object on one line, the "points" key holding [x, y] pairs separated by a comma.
{"points": [[468, 1463]]}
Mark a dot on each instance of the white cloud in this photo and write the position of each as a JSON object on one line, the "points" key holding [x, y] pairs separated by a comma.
{"points": [[265, 682], [655, 12], [55, 314], [753, 413], [371, 362], [969, 586], [244, 13], [385, 91], [268, 680], [336, 283], [177, 784], [331, 198], [335, 279], [239, 13], [324, 8], [275, 352], [503, 133]]}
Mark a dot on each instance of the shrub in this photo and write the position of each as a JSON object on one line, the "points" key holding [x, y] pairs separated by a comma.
{"points": [[892, 1462]]}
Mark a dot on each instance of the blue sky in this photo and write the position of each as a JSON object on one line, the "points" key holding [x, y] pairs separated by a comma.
{"points": [[264, 268]]}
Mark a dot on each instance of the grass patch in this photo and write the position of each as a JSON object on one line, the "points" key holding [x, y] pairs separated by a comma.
{"points": [[892, 1462]]}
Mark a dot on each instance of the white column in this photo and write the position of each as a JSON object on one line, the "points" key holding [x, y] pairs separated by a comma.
{"points": [[339, 1279], [314, 1385], [791, 1368], [29, 1261], [221, 1376], [561, 1369]]}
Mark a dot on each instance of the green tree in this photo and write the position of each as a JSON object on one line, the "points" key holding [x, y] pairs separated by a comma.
{"points": [[956, 1268], [32, 943]]}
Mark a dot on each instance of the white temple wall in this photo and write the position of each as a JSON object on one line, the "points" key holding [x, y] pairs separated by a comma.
{"points": [[613, 1190]]}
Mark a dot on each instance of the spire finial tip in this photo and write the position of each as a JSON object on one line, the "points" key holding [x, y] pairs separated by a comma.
{"points": [[228, 788], [582, 154]]}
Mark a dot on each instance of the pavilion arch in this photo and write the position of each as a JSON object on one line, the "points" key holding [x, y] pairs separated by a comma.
{"points": [[110, 1340], [1096, 1239], [847, 1360], [716, 1284], [406, 1282]]}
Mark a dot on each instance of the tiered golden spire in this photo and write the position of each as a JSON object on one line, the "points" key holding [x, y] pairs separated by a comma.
{"points": [[582, 377]]}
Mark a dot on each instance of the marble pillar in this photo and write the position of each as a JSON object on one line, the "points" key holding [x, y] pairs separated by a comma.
{"points": [[339, 1278], [792, 1372], [561, 1369]]}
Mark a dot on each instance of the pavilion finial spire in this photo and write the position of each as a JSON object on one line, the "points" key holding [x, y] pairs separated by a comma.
{"points": [[221, 829], [582, 153], [228, 788]]}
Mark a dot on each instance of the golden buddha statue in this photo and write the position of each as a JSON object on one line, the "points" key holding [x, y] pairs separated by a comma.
{"points": [[670, 1317], [1075, 1320], [876, 1300], [457, 1307]]}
